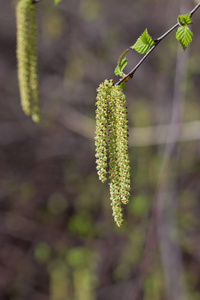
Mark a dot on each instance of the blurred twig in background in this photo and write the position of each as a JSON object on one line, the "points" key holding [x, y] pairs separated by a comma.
{"points": [[167, 197]]}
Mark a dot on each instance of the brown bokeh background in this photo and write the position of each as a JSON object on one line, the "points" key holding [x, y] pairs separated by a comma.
{"points": [[58, 240]]}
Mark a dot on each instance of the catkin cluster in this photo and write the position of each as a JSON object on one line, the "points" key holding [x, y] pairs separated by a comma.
{"points": [[27, 57], [111, 142]]}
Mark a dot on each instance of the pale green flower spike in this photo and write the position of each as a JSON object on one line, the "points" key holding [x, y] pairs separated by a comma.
{"points": [[113, 161], [103, 92], [112, 138], [115, 202], [22, 57], [122, 143], [35, 111], [27, 57]]}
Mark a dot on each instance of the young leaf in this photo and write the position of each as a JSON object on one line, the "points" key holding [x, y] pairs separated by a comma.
{"points": [[123, 85], [143, 43], [184, 20], [121, 64], [117, 71], [184, 35], [121, 57]]}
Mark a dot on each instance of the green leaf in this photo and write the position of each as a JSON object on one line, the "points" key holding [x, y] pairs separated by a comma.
{"points": [[123, 63], [143, 43], [122, 85], [57, 1], [184, 20], [184, 35], [117, 71], [119, 68]]}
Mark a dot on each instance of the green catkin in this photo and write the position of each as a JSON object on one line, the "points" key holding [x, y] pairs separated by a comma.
{"points": [[35, 111], [103, 92], [22, 12], [122, 143], [112, 138], [27, 57], [116, 203], [113, 163]]}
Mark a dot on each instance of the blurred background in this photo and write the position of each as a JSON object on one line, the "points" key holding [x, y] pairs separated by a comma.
{"points": [[58, 240]]}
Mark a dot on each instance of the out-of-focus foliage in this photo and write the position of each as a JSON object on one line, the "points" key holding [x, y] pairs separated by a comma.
{"points": [[57, 1], [58, 239]]}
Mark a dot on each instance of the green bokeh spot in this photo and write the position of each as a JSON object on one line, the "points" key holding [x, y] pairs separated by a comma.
{"points": [[42, 252], [77, 257], [81, 224], [57, 204], [140, 206]]}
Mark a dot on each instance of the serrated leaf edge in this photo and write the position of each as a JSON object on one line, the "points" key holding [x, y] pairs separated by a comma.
{"points": [[143, 43], [184, 35], [184, 20]]}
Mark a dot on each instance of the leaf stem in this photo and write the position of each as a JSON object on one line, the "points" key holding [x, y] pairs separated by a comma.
{"points": [[157, 41]]}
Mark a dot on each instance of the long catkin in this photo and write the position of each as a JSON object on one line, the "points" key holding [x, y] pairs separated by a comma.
{"points": [[27, 58], [111, 142], [35, 112]]}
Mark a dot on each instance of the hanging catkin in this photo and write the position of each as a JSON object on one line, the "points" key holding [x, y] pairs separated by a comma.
{"points": [[27, 57], [33, 65], [111, 141]]}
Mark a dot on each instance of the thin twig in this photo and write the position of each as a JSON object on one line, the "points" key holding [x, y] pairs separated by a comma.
{"points": [[158, 40], [194, 9]]}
